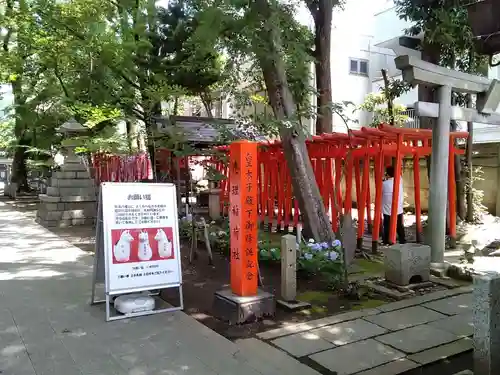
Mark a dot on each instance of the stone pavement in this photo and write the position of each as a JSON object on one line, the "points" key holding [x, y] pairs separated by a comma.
{"points": [[388, 340], [48, 328]]}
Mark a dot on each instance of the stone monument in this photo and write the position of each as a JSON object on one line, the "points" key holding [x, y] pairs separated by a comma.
{"points": [[71, 196], [405, 261], [289, 274], [486, 315]]}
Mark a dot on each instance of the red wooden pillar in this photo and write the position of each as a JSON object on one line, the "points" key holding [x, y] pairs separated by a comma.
{"points": [[362, 200], [395, 191], [418, 208], [452, 196], [379, 173], [348, 183]]}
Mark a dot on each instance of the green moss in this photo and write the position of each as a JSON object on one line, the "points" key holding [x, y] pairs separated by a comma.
{"points": [[314, 297], [368, 304], [370, 266]]}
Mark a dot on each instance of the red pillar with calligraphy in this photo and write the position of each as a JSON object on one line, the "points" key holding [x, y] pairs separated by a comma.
{"points": [[243, 217]]}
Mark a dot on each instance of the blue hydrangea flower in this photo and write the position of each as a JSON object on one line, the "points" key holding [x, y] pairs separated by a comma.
{"points": [[336, 243], [308, 256], [333, 255], [316, 247], [324, 245]]}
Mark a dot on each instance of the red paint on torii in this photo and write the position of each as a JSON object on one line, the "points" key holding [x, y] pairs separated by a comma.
{"points": [[337, 156]]}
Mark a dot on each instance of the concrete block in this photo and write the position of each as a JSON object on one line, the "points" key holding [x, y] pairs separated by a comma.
{"points": [[72, 182], [442, 352], [78, 198], [486, 320], [64, 175], [72, 191], [406, 261], [85, 174], [237, 310], [345, 359], [73, 167], [48, 198], [401, 319], [53, 191], [347, 332], [302, 344], [417, 339]]}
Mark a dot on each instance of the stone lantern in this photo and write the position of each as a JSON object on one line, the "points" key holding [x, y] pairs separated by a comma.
{"points": [[485, 24], [70, 129], [71, 196]]}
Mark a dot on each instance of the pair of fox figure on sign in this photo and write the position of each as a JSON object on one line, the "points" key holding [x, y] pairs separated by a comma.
{"points": [[122, 248]]}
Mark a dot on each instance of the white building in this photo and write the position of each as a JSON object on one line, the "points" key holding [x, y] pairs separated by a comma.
{"points": [[360, 53]]}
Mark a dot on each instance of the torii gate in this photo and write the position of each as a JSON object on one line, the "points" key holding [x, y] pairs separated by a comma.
{"points": [[416, 71]]}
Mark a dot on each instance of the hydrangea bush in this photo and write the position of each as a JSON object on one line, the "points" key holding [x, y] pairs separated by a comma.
{"points": [[324, 259]]}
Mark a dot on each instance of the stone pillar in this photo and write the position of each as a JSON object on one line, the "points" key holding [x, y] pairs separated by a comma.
{"points": [[486, 319], [214, 203], [497, 209], [71, 196], [288, 267], [438, 189], [289, 274]]}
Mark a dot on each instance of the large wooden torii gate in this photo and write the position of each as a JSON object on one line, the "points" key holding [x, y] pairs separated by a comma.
{"points": [[415, 71]]}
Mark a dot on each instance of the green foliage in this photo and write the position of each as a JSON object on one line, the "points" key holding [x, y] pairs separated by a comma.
{"points": [[376, 103], [7, 137], [479, 209], [446, 31]]}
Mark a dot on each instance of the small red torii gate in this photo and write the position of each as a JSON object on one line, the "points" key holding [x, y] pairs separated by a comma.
{"points": [[337, 156]]}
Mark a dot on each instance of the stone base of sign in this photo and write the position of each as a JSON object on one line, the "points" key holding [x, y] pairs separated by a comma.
{"points": [[235, 309], [293, 305], [71, 198], [406, 262]]}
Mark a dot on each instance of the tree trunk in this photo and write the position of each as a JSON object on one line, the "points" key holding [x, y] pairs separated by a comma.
{"points": [[207, 103], [19, 169], [132, 136], [388, 98], [322, 13], [304, 183]]}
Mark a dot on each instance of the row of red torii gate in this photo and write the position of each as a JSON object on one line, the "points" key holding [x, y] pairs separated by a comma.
{"points": [[343, 165]]}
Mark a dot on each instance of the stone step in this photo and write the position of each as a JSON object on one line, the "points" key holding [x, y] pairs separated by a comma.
{"points": [[67, 199], [71, 191], [73, 167], [72, 182], [262, 357], [64, 223], [69, 175], [66, 214], [64, 206]]}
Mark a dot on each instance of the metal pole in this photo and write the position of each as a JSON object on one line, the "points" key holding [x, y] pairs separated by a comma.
{"points": [[438, 189]]}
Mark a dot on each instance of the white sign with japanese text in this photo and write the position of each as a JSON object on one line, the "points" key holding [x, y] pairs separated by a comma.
{"points": [[141, 237]]}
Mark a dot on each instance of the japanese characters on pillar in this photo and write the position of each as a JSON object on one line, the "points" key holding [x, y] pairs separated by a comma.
{"points": [[243, 217]]}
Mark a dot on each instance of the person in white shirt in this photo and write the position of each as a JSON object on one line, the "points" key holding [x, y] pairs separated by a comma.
{"points": [[387, 189]]}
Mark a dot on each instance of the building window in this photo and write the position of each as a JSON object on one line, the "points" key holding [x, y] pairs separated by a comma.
{"points": [[358, 66]]}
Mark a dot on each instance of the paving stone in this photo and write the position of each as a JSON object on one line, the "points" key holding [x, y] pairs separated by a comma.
{"points": [[302, 327], [452, 306], [425, 298], [392, 368], [401, 319], [302, 344], [261, 355], [359, 356], [347, 332], [460, 325], [441, 352], [417, 339]]}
